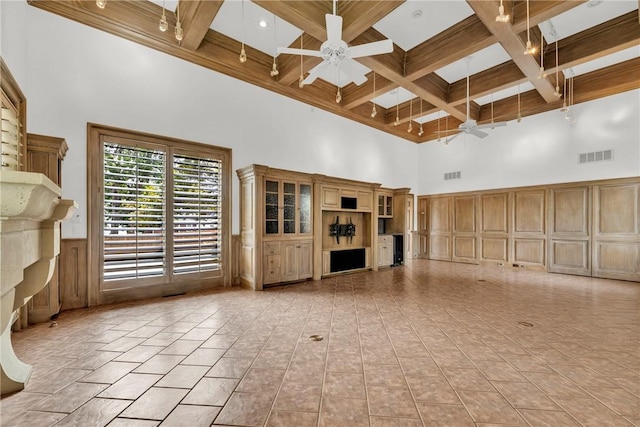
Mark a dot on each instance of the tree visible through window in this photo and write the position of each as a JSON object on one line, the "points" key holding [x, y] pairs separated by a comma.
{"points": [[161, 213]]}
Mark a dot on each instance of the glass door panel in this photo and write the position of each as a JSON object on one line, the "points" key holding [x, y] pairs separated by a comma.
{"points": [[289, 204], [305, 208], [271, 207]]}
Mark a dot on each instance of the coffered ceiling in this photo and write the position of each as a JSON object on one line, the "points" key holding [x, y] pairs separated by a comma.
{"points": [[422, 83]]}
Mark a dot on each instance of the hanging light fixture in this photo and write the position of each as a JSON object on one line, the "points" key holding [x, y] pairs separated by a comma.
{"points": [[301, 79], [519, 116], [529, 50], [164, 25], [274, 69], [541, 73], [243, 54], [339, 93], [178, 30], [410, 128], [564, 101], [446, 125], [420, 130], [373, 109], [101, 3], [439, 127], [501, 16], [397, 122], [557, 92]]}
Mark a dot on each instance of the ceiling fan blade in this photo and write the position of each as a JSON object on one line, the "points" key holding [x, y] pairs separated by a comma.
{"points": [[292, 51], [352, 72], [373, 48], [491, 125], [315, 73], [334, 27], [478, 133]]}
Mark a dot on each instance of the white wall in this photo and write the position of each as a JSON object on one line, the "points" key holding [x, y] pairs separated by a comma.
{"points": [[72, 74], [78, 75], [541, 149]]}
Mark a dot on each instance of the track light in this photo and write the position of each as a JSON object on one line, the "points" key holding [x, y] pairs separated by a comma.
{"points": [[274, 69], [420, 130], [410, 128], [101, 3], [501, 16], [374, 112]]}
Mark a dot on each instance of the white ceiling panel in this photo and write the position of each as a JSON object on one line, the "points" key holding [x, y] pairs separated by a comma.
{"points": [[504, 93], [229, 21], [418, 20], [331, 74], [430, 117], [586, 16], [394, 97], [479, 61]]}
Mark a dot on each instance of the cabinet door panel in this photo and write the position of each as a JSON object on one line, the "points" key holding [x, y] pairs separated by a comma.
{"points": [[569, 235], [330, 197], [305, 260], [289, 266]]}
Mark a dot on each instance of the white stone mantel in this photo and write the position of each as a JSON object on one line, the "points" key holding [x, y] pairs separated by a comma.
{"points": [[30, 213]]}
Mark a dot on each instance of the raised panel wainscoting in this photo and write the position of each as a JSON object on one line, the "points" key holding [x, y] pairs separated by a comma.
{"points": [[586, 228]]}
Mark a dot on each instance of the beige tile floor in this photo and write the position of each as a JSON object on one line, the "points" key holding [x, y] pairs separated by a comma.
{"points": [[430, 343]]}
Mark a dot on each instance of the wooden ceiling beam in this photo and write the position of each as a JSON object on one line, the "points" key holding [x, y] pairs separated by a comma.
{"points": [[514, 46], [196, 18], [539, 11], [352, 97]]}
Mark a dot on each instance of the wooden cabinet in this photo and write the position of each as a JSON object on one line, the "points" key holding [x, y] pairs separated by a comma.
{"points": [[385, 205], [276, 226], [45, 155], [347, 199], [286, 261], [385, 250]]}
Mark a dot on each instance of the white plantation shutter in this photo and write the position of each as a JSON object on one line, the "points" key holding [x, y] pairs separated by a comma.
{"points": [[11, 138], [134, 212], [157, 226], [196, 214]]}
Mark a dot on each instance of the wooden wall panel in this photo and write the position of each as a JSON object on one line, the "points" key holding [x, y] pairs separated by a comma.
{"points": [[528, 212], [440, 248], [495, 249], [528, 251], [616, 246], [569, 230], [465, 226], [423, 227], [440, 227], [73, 273], [494, 228]]}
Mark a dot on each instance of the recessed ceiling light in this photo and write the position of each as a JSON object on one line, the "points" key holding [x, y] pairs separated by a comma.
{"points": [[262, 23], [416, 14]]}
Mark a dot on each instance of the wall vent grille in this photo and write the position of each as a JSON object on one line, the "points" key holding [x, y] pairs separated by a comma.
{"points": [[452, 175], [595, 156]]}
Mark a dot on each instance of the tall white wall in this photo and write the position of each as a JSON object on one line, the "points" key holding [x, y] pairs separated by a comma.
{"points": [[78, 75], [541, 149], [72, 74]]}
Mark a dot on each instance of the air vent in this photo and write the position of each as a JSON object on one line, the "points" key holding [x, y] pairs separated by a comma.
{"points": [[452, 175], [595, 156]]}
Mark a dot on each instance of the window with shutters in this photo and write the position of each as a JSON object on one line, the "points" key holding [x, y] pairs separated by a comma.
{"points": [[159, 210], [13, 114]]}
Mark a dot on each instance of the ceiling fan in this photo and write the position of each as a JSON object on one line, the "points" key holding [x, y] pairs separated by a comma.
{"points": [[470, 126], [335, 52]]}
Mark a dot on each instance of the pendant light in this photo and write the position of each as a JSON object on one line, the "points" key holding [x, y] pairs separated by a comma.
{"points": [[178, 30], [529, 50], [164, 25], [243, 54], [492, 110], [446, 126], [301, 79], [557, 92], [501, 16], [420, 130], [410, 128], [519, 116], [373, 110], [439, 127], [541, 73], [274, 69], [564, 101], [339, 93], [101, 3]]}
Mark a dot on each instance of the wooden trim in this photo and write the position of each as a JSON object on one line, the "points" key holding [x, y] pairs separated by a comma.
{"points": [[73, 273], [96, 293]]}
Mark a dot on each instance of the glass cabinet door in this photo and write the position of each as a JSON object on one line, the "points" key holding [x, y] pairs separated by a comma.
{"points": [[388, 205], [271, 207], [289, 205], [305, 209], [380, 205]]}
